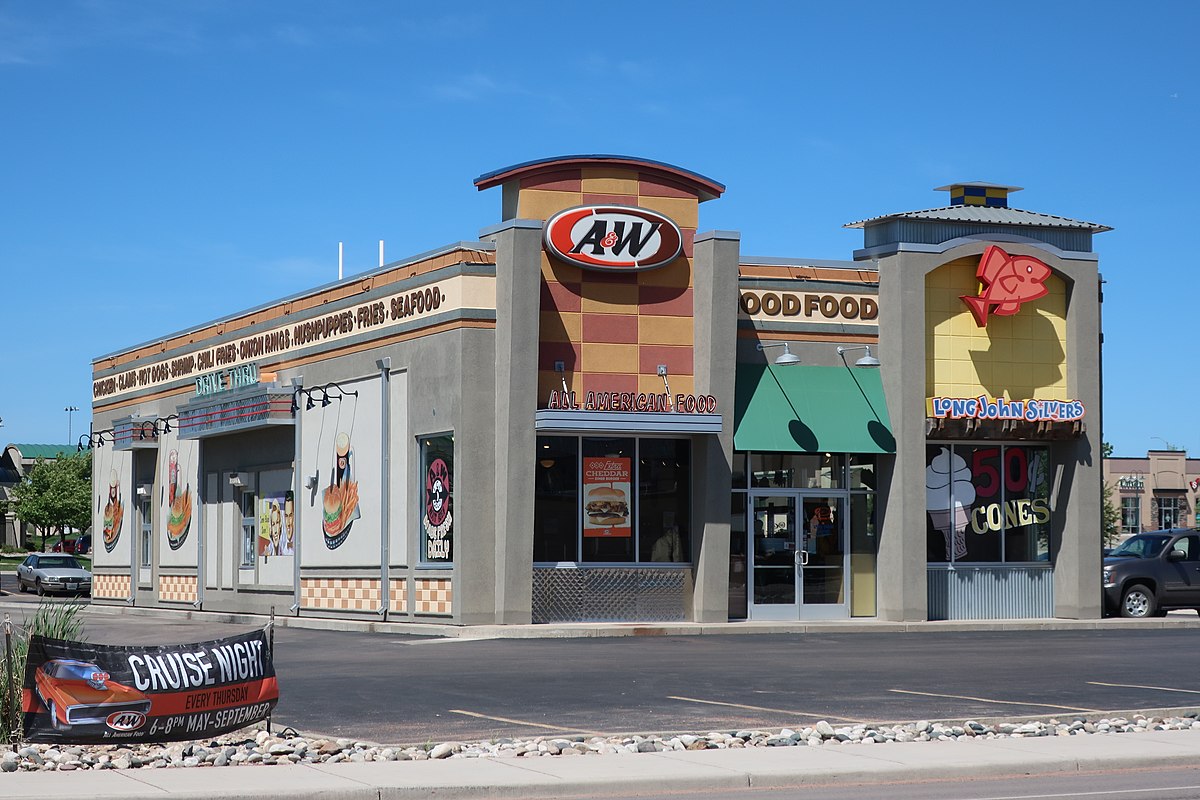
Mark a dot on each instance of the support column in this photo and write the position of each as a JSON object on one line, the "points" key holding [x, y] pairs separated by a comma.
{"points": [[714, 311], [518, 307], [901, 562]]}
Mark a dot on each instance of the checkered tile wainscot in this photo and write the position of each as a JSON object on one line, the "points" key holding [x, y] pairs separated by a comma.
{"points": [[177, 588], [117, 586], [398, 596], [342, 594], [434, 596]]}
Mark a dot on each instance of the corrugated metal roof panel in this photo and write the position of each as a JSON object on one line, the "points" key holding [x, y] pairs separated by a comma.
{"points": [[984, 214]]}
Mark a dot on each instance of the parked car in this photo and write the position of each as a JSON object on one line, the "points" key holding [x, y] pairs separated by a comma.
{"points": [[80, 693], [46, 573], [81, 545], [1152, 573]]}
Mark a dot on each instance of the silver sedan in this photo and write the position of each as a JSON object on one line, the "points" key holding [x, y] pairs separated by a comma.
{"points": [[53, 572]]}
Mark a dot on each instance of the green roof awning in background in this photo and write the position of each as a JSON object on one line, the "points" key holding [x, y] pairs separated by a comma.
{"points": [[802, 409]]}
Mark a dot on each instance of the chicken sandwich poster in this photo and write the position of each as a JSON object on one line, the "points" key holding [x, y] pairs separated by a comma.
{"points": [[84, 693]]}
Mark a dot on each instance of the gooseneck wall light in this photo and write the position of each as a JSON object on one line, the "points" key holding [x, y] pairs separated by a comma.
{"points": [[866, 361], [786, 358]]}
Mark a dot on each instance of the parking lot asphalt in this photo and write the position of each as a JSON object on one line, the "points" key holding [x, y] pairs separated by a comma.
{"points": [[384, 683]]}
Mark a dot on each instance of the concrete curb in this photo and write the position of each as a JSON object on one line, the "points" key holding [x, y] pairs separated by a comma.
{"points": [[1177, 621], [559, 776]]}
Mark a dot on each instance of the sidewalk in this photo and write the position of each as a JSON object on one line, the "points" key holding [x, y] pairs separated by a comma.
{"points": [[559, 776]]}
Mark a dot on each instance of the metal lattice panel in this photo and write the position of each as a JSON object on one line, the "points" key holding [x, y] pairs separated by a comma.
{"points": [[609, 594]]}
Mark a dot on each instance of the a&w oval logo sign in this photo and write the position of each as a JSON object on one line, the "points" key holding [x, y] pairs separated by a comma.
{"points": [[126, 720], [613, 238]]}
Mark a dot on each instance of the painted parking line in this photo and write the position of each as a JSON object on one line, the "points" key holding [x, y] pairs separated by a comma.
{"points": [[997, 702], [786, 711], [1137, 686], [555, 728]]}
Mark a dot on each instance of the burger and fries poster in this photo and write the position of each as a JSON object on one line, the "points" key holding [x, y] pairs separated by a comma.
{"points": [[606, 497]]}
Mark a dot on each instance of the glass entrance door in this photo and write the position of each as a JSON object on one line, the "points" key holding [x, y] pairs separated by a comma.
{"points": [[823, 566], [776, 554], [798, 556]]}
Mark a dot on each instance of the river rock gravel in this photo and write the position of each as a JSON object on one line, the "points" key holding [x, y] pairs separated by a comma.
{"points": [[257, 747]]}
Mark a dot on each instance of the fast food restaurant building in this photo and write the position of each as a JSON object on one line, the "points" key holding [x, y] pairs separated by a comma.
{"points": [[601, 410]]}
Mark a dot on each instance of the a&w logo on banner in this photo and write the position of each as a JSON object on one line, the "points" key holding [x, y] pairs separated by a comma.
{"points": [[613, 238]]}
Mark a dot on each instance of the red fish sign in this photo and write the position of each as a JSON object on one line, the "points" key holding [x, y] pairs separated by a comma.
{"points": [[1007, 282], [613, 238]]}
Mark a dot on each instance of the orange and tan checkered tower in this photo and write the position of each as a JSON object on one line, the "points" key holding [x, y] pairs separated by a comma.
{"points": [[609, 331], [610, 309]]}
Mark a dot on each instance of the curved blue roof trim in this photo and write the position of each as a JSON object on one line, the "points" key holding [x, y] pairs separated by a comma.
{"points": [[597, 157]]}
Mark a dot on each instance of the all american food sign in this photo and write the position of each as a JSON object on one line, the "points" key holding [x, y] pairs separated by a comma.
{"points": [[613, 238]]}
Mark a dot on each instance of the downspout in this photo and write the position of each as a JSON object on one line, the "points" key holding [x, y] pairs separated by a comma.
{"points": [[385, 437]]}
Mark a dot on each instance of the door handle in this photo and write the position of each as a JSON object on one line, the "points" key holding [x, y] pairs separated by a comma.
{"points": [[801, 558]]}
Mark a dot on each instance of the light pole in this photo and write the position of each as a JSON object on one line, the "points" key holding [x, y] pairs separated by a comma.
{"points": [[70, 418]]}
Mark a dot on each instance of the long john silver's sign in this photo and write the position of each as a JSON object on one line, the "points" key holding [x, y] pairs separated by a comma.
{"points": [[613, 238]]}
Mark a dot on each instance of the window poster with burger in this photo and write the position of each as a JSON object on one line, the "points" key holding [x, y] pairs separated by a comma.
{"points": [[606, 497]]}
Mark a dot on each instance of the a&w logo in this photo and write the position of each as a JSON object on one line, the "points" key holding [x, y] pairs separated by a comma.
{"points": [[125, 720], [613, 238]]}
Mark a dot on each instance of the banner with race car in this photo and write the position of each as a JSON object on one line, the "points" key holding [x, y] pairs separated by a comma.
{"points": [[93, 693]]}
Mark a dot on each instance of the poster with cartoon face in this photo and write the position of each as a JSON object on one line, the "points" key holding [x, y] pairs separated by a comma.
{"points": [[277, 525]]}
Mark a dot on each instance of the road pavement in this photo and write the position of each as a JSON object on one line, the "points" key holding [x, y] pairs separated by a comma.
{"points": [[479, 683]]}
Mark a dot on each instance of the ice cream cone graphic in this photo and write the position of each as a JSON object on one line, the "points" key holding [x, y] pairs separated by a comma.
{"points": [[949, 495]]}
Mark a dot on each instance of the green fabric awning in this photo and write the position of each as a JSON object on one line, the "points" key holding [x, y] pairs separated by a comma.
{"points": [[802, 409]]}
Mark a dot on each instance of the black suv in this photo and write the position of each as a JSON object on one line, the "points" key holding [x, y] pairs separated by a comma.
{"points": [[1151, 573]]}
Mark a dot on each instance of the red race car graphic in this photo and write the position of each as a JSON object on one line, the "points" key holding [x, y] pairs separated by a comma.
{"points": [[80, 693]]}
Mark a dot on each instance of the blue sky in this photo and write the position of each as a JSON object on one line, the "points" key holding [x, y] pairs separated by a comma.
{"points": [[167, 163]]}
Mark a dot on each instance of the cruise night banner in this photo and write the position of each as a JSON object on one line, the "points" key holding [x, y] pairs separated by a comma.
{"points": [[93, 693]]}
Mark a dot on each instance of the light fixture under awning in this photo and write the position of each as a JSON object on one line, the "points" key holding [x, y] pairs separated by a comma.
{"points": [[803, 409]]}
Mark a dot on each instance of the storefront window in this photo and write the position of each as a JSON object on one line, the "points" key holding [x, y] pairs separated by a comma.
{"points": [[249, 529], [738, 573], [1131, 515], [437, 507], [612, 500], [664, 500], [795, 471], [556, 499], [147, 531], [987, 504], [863, 545], [608, 508], [862, 471]]}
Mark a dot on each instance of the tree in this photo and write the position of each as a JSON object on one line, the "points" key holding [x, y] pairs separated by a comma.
{"points": [[56, 494], [1110, 519], [1106, 450]]}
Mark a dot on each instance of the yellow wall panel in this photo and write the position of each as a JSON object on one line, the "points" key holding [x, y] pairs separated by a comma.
{"points": [[684, 211], [610, 357], [563, 326], [665, 330], [1019, 356], [543, 204]]}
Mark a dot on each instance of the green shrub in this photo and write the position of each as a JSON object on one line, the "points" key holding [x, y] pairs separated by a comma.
{"points": [[55, 619]]}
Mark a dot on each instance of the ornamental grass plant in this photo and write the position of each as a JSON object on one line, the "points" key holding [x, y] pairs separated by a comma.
{"points": [[53, 619]]}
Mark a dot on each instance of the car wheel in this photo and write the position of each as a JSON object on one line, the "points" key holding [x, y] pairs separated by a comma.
{"points": [[40, 589], [53, 715], [1138, 602], [22, 588]]}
